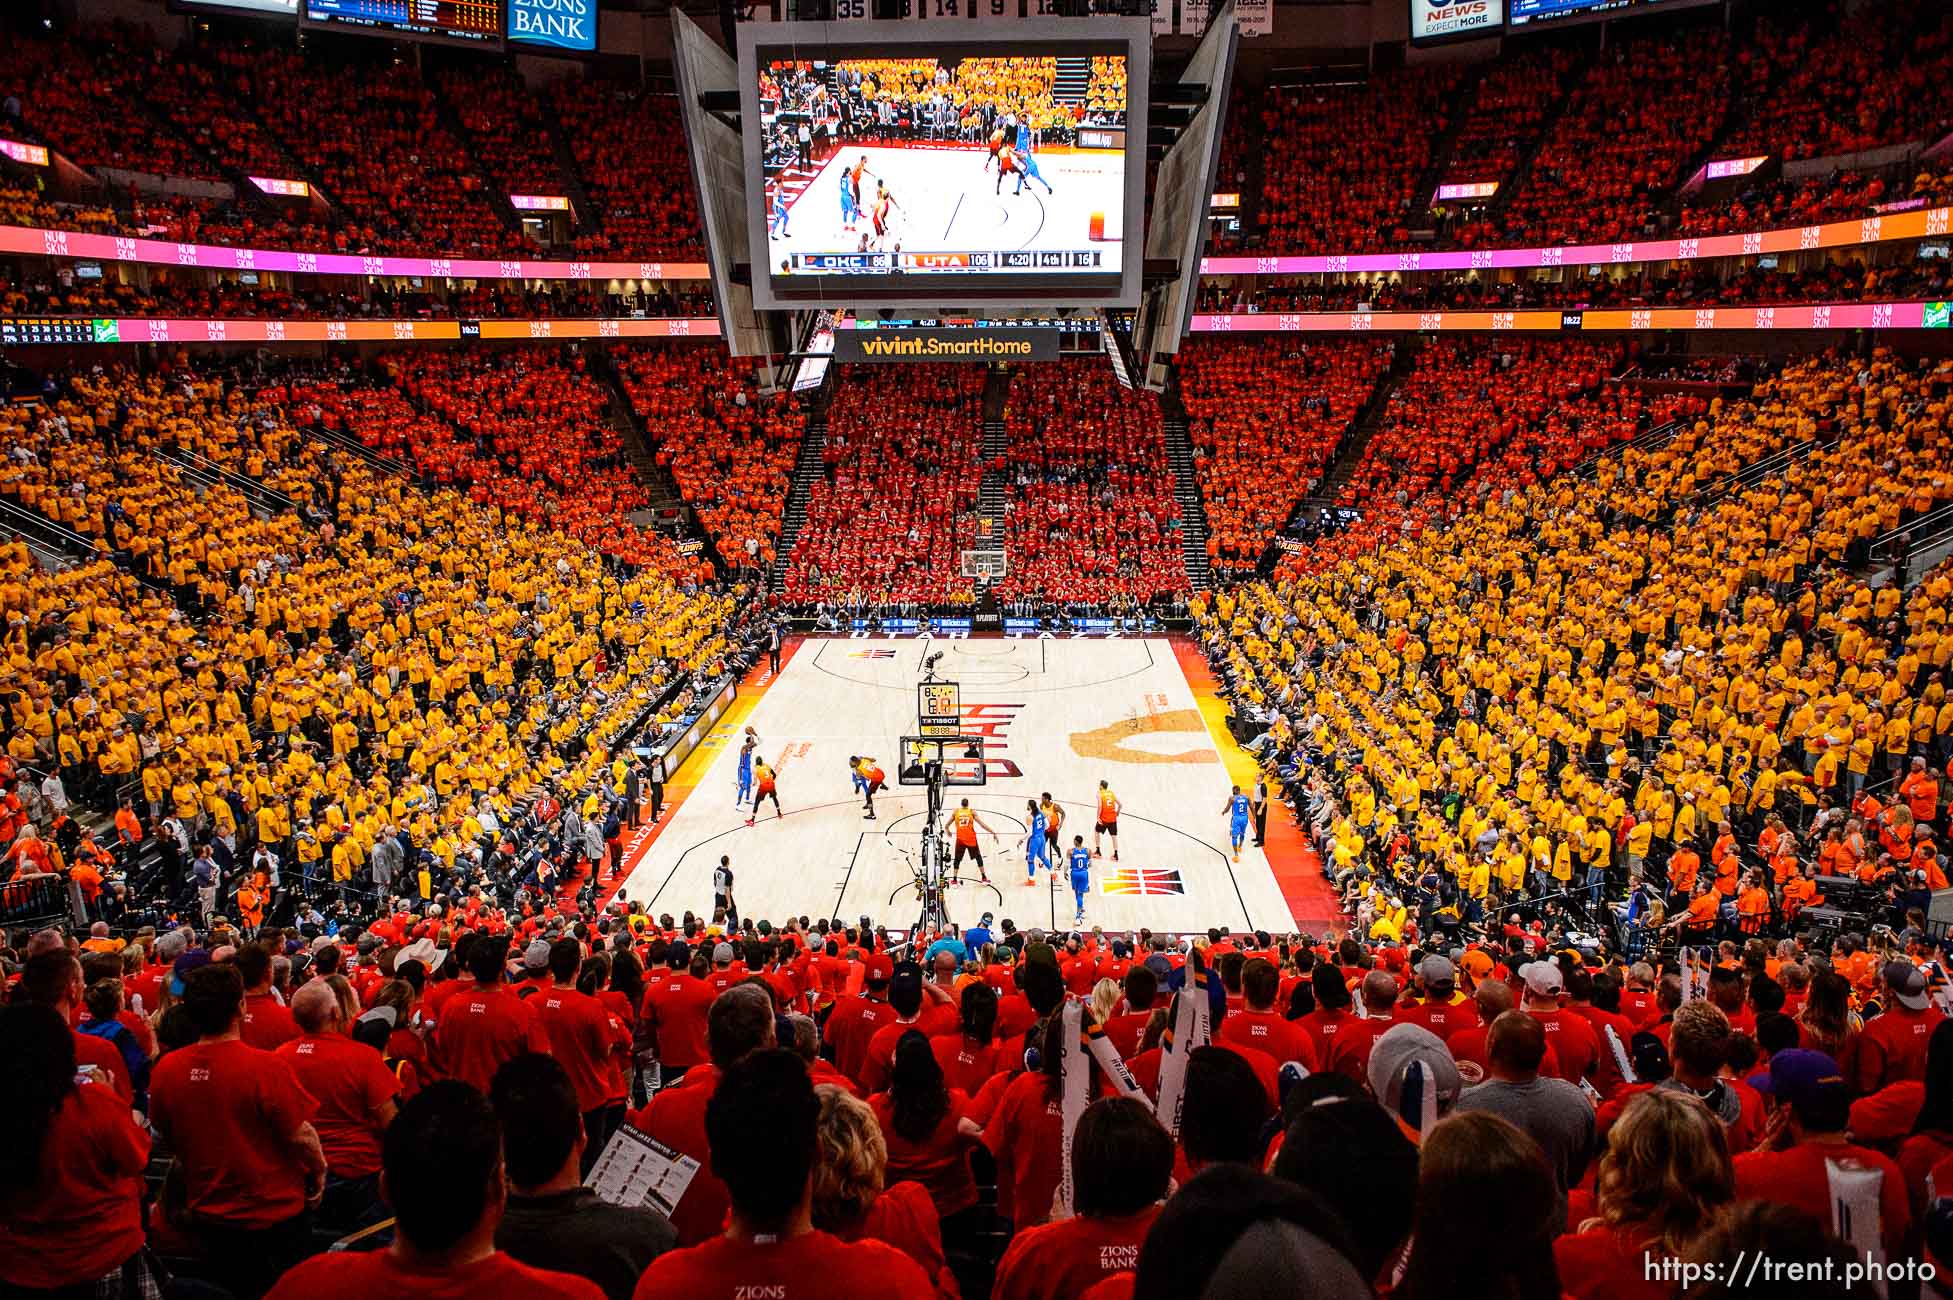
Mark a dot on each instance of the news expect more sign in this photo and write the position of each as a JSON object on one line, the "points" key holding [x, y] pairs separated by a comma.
{"points": [[1435, 19], [564, 24]]}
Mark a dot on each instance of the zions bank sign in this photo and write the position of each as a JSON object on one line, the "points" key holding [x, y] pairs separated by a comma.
{"points": [[565, 24], [1435, 19]]}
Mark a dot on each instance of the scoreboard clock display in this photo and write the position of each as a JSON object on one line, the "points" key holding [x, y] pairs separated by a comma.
{"points": [[938, 709], [470, 22]]}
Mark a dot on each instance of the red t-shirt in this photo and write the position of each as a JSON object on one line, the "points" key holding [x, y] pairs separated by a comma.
{"points": [[268, 1023], [850, 1025], [1467, 1048], [1575, 1046], [940, 1162], [84, 1216], [1606, 1263], [904, 1217], [1024, 1134], [1892, 1047], [584, 1036], [1127, 1031], [351, 1083], [1797, 1177], [106, 1057], [1264, 1031], [484, 1027], [1641, 1007], [380, 1273], [674, 1006], [1014, 1015], [1608, 1078], [1442, 1018], [811, 1266], [965, 1064], [1349, 1050], [879, 1060], [676, 1117], [229, 1111], [1061, 1260], [1323, 1026]]}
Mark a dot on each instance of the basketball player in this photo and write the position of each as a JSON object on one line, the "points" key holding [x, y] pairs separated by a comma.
{"points": [[996, 147], [1010, 162], [966, 820], [1036, 850], [763, 776], [745, 791], [1081, 875], [878, 215], [1054, 818], [1236, 809], [1108, 822], [871, 776], [777, 227], [848, 204], [854, 174]]}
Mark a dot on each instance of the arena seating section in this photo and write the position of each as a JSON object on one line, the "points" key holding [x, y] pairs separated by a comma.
{"points": [[730, 450], [889, 520], [1265, 417], [1091, 514]]}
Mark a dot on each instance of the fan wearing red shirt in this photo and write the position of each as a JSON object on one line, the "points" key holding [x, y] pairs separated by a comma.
{"points": [[1467, 1046], [741, 1022], [240, 1127], [1259, 1026], [922, 1121], [585, 1037], [1349, 1050], [1444, 1010], [1638, 1001], [444, 1183], [53, 980], [355, 1091], [1891, 1048], [970, 1056], [674, 1010], [1567, 1033], [761, 1130], [1332, 1013], [1664, 1177], [268, 1023], [1129, 1026], [1594, 998], [854, 1020], [1812, 1087], [71, 1159], [488, 1024], [1121, 1164], [917, 1007]]}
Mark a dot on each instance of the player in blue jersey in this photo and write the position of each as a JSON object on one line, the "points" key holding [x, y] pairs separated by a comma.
{"points": [[745, 791], [1023, 136], [778, 225], [1036, 851], [1236, 809], [1081, 875], [848, 202]]}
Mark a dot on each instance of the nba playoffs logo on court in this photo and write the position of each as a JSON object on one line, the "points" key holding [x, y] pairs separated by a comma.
{"points": [[1146, 882], [1434, 18]]}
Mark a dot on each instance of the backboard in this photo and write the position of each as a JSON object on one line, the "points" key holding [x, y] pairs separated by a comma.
{"points": [[960, 758]]}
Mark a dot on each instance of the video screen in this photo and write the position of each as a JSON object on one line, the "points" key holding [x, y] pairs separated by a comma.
{"points": [[944, 164], [473, 22]]}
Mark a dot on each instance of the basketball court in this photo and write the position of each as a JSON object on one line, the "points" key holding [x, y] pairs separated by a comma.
{"points": [[1055, 715]]}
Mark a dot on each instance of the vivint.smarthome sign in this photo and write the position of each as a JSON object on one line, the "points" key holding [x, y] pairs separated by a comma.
{"points": [[1435, 19]]}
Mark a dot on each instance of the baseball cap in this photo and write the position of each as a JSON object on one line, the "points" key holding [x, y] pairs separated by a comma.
{"points": [[907, 980], [722, 955], [536, 955], [1798, 1074], [877, 968], [193, 960], [1438, 970], [1908, 984], [1543, 979], [1476, 963]]}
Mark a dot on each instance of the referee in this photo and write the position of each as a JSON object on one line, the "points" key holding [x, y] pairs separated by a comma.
{"points": [[722, 892]]}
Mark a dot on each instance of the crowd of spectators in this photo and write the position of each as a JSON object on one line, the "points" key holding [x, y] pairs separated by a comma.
{"points": [[730, 450], [1507, 112], [629, 147], [888, 521], [1090, 513], [1265, 417]]}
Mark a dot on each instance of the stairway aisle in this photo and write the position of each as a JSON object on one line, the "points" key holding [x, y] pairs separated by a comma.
{"points": [[1186, 488], [809, 467]]}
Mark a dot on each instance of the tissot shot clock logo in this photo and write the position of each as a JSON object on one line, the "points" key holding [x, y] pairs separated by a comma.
{"points": [[1435, 18]]}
